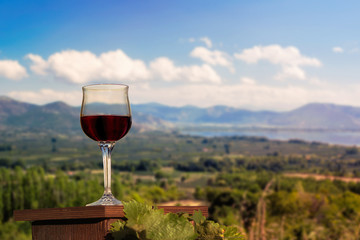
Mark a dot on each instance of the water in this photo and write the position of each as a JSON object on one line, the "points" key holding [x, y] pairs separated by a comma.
{"points": [[341, 137]]}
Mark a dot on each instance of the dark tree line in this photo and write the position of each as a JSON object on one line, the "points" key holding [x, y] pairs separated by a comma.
{"points": [[33, 189]]}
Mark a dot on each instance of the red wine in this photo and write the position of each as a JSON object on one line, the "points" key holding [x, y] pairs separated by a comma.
{"points": [[106, 128]]}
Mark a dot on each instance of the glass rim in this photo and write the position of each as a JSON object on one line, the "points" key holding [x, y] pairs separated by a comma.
{"points": [[105, 86]]}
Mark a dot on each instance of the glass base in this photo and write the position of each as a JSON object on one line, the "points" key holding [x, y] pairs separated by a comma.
{"points": [[106, 199]]}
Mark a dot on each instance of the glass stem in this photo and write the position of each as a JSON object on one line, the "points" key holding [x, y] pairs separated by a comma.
{"points": [[106, 148]]}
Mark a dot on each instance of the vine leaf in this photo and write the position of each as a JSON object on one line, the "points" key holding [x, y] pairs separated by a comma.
{"points": [[209, 230], [198, 217], [232, 233], [145, 223], [169, 227], [119, 231], [136, 213]]}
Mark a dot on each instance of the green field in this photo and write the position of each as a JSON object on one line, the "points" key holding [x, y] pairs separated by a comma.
{"points": [[248, 182]]}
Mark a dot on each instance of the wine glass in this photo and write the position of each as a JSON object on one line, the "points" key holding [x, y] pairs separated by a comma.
{"points": [[106, 118]]}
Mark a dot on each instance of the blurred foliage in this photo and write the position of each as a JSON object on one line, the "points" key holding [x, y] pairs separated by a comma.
{"points": [[33, 188], [243, 179]]}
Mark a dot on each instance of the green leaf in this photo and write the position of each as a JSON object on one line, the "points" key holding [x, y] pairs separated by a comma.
{"points": [[146, 223], [231, 233], [209, 230], [136, 212], [117, 226], [119, 231], [169, 227], [198, 217]]}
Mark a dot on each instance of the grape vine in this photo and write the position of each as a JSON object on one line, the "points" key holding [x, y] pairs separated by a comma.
{"points": [[147, 223]]}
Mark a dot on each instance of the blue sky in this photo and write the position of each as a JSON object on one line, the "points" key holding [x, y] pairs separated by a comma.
{"points": [[275, 55]]}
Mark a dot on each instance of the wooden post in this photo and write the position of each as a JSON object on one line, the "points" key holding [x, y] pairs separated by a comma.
{"points": [[82, 223]]}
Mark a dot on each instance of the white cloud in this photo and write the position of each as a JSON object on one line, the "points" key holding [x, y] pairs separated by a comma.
{"points": [[337, 50], [75, 66], [191, 40], [248, 94], [165, 69], [290, 71], [39, 64], [317, 82], [12, 70], [247, 80], [117, 65], [289, 58], [207, 41], [82, 67], [214, 57], [44, 96]]}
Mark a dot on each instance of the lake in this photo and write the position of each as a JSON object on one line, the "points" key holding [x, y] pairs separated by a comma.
{"points": [[342, 137]]}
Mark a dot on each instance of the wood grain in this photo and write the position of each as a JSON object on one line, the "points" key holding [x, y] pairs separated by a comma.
{"points": [[91, 212], [69, 213], [71, 229], [186, 209]]}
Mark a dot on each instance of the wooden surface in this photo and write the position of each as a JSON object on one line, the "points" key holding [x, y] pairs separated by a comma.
{"points": [[91, 212], [80, 229], [187, 209], [69, 213]]}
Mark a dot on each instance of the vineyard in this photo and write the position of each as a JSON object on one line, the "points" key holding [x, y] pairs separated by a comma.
{"points": [[285, 190]]}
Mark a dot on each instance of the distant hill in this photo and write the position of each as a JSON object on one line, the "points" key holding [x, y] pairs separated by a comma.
{"points": [[56, 116], [321, 116], [216, 114], [61, 117], [310, 116]]}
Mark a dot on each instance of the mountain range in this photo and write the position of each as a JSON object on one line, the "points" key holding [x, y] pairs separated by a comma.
{"points": [[310, 116], [61, 117]]}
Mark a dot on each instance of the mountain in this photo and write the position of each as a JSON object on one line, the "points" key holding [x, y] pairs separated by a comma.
{"points": [[310, 116], [9, 107], [63, 118], [216, 114], [56, 116], [320, 116], [59, 117]]}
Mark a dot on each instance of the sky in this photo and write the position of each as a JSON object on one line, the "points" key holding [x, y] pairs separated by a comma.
{"points": [[256, 55]]}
